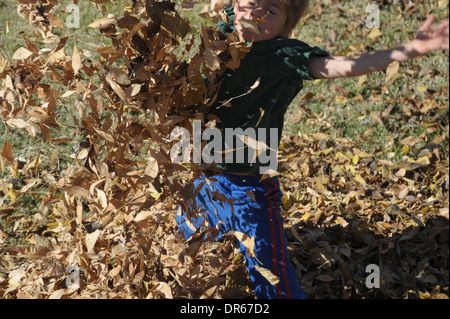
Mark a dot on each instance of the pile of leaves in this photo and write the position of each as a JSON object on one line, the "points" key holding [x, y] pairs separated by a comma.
{"points": [[347, 210], [110, 212]]}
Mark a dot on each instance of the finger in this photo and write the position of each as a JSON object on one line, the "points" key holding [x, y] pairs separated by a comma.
{"points": [[443, 25], [443, 28], [428, 23]]}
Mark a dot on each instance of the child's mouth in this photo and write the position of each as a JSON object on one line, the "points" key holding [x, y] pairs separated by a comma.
{"points": [[253, 25]]}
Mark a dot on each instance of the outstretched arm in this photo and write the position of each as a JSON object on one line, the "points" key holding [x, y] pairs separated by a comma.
{"points": [[428, 39]]}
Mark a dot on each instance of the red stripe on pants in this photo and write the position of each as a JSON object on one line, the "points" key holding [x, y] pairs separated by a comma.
{"points": [[277, 219], [283, 253], [273, 241]]}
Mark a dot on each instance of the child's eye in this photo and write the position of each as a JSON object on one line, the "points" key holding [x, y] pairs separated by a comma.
{"points": [[271, 10]]}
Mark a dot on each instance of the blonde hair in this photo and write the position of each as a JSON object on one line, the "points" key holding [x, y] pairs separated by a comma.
{"points": [[295, 9]]}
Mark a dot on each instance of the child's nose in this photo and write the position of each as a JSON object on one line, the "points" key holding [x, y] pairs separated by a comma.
{"points": [[257, 12]]}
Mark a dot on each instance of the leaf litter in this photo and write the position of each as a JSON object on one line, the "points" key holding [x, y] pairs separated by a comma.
{"points": [[111, 210]]}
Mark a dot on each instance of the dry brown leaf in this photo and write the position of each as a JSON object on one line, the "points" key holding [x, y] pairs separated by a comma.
{"points": [[17, 123], [142, 216], [251, 25], [248, 242], [212, 59], [267, 273], [4, 64], [374, 33], [91, 239], [325, 278], [103, 23], [57, 294], [117, 88], [76, 60], [22, 54], [392, 72], [55, 21], [164, 289]]}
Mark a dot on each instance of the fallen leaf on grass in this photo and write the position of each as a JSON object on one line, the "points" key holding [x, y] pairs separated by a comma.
{"points": [[22, 54], [91, 239], [392, 72], [103, 23], [76, 60]]}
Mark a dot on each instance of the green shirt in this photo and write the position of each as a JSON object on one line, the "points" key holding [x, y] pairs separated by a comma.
{"points": [[280, 65]]}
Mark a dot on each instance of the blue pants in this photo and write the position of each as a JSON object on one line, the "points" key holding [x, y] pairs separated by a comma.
{"points": [[245, 204]]}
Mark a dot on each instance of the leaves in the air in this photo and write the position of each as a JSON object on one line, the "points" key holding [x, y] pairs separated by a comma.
{"points": [[118, 196]]}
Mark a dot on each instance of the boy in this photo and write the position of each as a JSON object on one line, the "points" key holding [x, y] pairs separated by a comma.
{"points": [[241, 199]]}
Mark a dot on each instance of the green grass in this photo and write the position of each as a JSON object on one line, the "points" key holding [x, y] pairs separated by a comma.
{"points": [[25, 146], [335, 30]]}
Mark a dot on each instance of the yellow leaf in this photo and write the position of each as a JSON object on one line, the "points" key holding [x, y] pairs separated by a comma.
{"points": [[155, 195], [340, 99], [238, 258], [286, 202], [422, 88], [12, 194], [405, 150], [374, 33], [424, 160], [424, 295], [359, 179]]}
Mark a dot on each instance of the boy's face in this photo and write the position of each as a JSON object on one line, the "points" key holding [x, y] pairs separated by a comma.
{"points": [[273, 13]]}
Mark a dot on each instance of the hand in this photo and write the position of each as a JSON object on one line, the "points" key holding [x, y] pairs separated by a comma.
{"points": [[429, 39]]}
